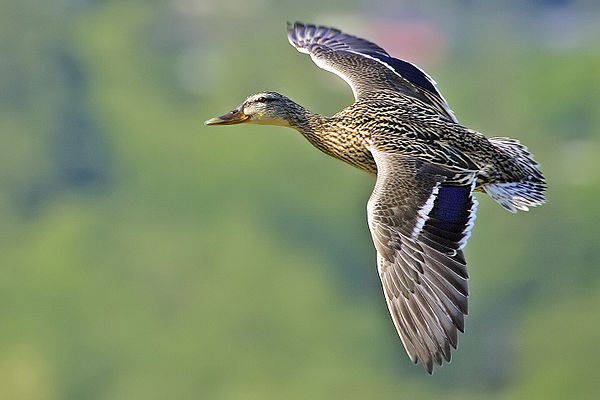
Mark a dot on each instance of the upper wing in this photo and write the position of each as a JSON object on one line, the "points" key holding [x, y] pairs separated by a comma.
{"points": [[420, 215], [365, 66]]}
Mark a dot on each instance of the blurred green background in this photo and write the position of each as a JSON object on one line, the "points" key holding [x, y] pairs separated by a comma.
{"points": [[146, 256]]}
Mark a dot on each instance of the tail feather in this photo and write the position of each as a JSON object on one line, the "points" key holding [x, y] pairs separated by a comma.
{"points": [[530, 190]]}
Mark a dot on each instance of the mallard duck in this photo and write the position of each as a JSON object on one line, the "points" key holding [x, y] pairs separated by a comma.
{"points": [[427, 165]]}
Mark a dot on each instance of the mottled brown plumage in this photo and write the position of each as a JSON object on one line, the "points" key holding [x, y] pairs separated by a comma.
{"points": [[421, 211]]}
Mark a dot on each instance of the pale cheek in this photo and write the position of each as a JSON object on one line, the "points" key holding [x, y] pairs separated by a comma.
{"points": [[258, 115], [254, 113]]}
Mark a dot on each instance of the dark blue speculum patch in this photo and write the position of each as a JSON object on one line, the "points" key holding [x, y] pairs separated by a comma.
{"points": [[451, 208], [409, 72]]}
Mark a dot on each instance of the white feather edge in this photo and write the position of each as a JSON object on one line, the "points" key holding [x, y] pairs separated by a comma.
{"points": [[472, 216], [423, 213]]}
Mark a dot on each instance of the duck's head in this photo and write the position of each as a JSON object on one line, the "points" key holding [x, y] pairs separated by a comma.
{"points": [[266, 108]]}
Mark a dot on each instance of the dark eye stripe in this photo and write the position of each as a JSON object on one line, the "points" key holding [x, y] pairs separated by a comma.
{"points": [[263, 99]]}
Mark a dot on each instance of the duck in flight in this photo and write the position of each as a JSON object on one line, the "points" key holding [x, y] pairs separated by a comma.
{"points": [[427, 165]]}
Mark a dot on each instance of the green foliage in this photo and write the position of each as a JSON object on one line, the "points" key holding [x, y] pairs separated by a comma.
{"points": [[148, 256]]}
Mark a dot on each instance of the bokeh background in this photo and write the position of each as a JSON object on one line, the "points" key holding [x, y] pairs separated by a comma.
{"points": [[146, 256]]}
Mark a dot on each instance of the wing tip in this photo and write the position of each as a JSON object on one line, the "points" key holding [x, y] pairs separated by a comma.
{"points": [[294, 36], [296, 25]]}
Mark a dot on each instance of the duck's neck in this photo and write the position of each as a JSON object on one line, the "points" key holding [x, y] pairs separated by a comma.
{"points": [[316, 128], [308, 123]]}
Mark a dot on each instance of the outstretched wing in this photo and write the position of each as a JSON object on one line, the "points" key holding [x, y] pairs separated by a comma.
{"points": [[420, 216], [366, 67]]}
